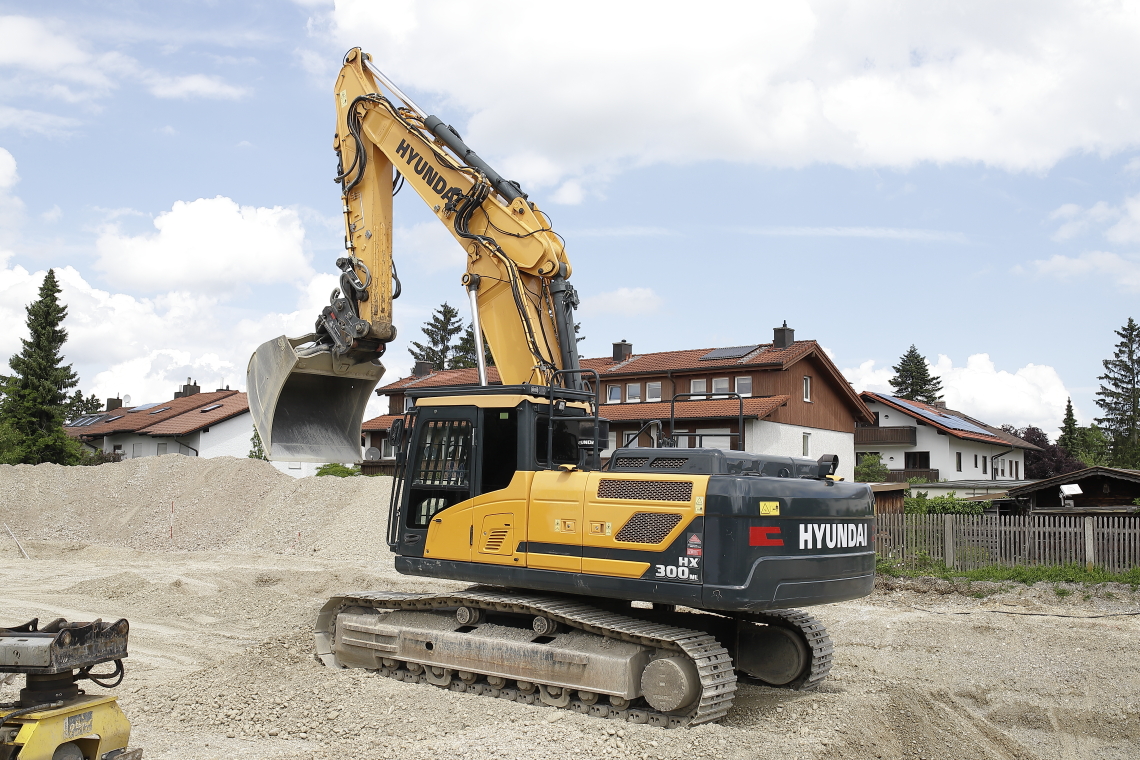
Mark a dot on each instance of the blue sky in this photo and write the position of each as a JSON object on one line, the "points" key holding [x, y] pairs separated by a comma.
{"points": [[960, 177]]}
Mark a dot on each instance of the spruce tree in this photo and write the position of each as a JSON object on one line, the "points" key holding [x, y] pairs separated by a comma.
{"points": [[35, 400], [79, 405], [1119, 397], [463, 356], [439, 330], [1068, 439], [913, 380]]}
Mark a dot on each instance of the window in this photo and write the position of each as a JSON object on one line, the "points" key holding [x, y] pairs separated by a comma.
{"points": [[653, 391], [807, 444], [1002, 473], [633, 392], [209, 408], [807, 388], [613, 394], [958, 460], [294, 465], [1014, 469], [500, 435], [744, 386], [916, 460], [975, 461], [720, 385], [408, 403], [117, 448], [162, 448], [698, 386], [629, 438], [984, 465], [136, 450], [386, 451]]}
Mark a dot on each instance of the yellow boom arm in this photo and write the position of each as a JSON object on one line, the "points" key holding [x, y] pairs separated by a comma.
{"points": [[516, 273]]}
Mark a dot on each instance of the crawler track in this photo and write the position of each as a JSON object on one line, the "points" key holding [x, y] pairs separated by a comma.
{"points": [[811, 631], [712, 661]]}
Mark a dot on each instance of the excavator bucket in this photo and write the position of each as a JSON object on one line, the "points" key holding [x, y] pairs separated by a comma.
{"points": [[307, 408]]}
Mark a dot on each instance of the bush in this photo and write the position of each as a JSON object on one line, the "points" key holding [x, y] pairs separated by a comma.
{"points": [[870, 469], [950, 504], [338, 470]]}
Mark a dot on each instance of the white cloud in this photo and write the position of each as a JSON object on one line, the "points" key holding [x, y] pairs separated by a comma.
{"points": [[8, 174], [1032, 395], [1076, 220], [148, 346], [52, 215], [210, 245], [625, 302], [1123, 272], [191, 86], [46, 59], [783, 82], [430, 245]]}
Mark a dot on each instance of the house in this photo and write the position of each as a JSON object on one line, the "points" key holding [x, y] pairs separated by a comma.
{"points": [[917, 440], [192, 424], [1100, 491], [792, 398]]}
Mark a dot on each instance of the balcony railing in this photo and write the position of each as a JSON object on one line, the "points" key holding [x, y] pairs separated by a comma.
{"points": [[902, 476], [886, 436]]}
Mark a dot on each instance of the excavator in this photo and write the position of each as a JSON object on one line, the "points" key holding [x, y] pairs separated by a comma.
{"points": [[644, 588]]}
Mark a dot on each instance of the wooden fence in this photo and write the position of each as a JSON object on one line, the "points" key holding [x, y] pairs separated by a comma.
{"points": [[967, 542]]}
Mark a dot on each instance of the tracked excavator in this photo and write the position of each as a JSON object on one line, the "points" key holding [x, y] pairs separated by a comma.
{"points": [[643, 589]]}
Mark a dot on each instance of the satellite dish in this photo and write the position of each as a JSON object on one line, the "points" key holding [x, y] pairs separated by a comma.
{"points": [[127, 399], [372, 454]]}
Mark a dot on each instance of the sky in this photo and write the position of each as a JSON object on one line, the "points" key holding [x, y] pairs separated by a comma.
{"points": [[964, 177]]}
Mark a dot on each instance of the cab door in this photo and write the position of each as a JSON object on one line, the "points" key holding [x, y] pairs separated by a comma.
{"points": [[554, 524], [441, 483]]}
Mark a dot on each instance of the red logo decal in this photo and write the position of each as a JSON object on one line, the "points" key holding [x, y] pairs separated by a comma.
{"points": [[762, 537], [693, 552]]}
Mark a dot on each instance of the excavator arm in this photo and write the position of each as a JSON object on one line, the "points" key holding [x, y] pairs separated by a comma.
{"points": [[307, 395]]}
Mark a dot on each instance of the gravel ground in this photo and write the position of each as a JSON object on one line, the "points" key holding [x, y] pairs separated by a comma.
{"points": [[221, 663]]}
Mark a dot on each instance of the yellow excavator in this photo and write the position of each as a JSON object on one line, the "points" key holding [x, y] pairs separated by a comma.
{"points": [[641, 589]]}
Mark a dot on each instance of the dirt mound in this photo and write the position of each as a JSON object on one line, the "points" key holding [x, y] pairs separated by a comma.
{"points": [[221, 503]]}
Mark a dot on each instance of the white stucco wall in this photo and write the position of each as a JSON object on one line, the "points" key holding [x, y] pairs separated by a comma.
{"points": [[942, 450], [764, 437], [228, 438]]}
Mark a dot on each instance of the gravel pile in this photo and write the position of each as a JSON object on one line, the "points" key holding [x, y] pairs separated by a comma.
{"points": [[221, 503]]}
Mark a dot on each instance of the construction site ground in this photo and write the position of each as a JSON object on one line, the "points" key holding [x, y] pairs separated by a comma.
{"points": [[221, 661]]}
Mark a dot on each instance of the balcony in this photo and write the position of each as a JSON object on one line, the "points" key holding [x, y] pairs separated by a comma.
{"points": [[902, 476], [886, 436]]}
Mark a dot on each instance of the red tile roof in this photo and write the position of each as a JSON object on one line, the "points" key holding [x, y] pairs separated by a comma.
{"points": [[133, 420], [994, 436], [196, 419], [383, 422], [764, 357], [727, 408]]}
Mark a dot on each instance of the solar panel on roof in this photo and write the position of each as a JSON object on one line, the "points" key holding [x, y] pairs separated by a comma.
{"points": [[946, 420], [163, 409], [141, 407], [732, 352], [112, 419], [211, 408]]}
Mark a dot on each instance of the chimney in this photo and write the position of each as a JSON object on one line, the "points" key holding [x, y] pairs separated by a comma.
{"points": [[423, 369], [114, 403], [622, 351], [782, 337], [187, 390], [938, 404]]}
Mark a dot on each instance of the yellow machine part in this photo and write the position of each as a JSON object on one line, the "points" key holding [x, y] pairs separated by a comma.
{"points": [[96, 724], [559, 509]]}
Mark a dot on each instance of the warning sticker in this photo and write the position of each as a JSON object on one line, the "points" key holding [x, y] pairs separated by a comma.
{"points": [[78, 725], [693, 551], [769, 508], [694, 539]]}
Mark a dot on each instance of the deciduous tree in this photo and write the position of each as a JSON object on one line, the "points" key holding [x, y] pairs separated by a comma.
{"points": [[913, 380]]}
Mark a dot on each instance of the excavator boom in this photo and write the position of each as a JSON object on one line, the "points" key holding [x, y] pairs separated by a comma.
{"points": [[307, 395]]}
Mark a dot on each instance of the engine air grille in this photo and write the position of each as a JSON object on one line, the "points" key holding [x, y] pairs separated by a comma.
{"points": [[646, 490], [630, 461], [495, 540], [648, 528], [668, 463]]}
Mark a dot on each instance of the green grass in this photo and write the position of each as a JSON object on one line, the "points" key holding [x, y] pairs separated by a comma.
{"points": [[1027, 574]]}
